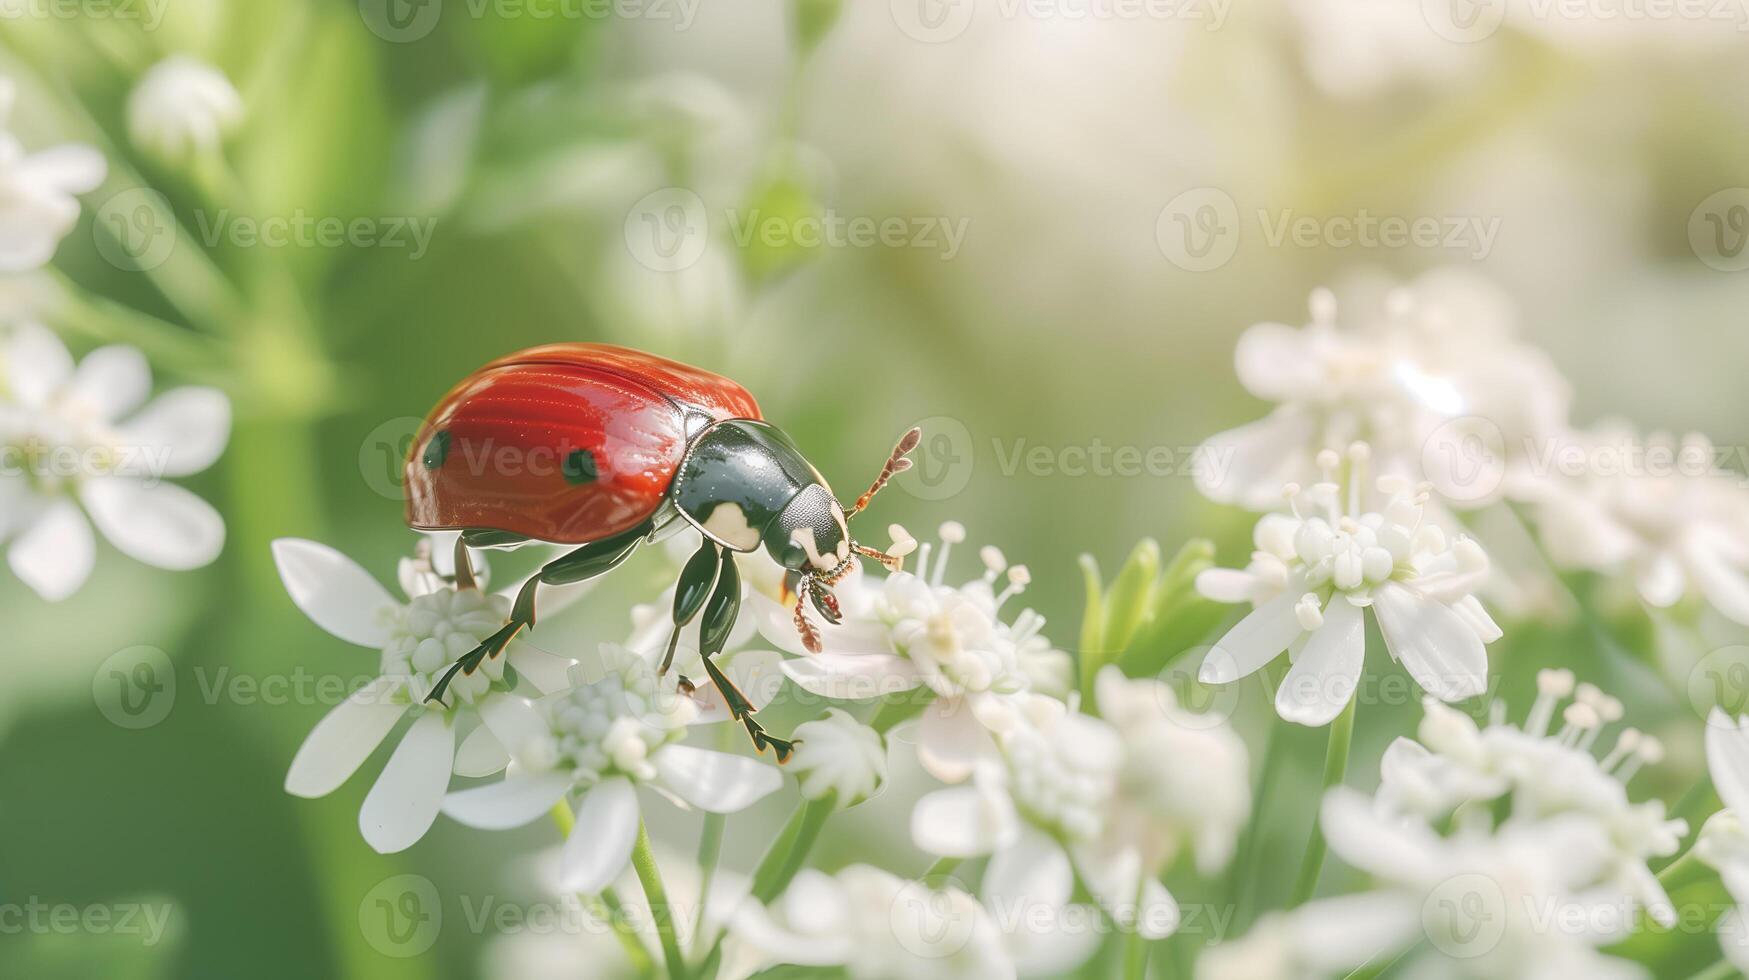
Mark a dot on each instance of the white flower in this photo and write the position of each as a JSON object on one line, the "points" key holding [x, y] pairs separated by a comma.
{"points": [[1521, 900], [79, 436], [1184, 780], [37, 203], [418, 639], [908, 631], [1436, 350], [1040, 808], [1656, 510], [1724, 842], [1542, 773], [1316, 570], [839, 754], [618, 727], [871, 923], [183, 107]]}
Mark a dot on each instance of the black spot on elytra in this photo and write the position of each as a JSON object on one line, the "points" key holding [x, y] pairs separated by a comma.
{"points": [[579, 467], [437, 450]]}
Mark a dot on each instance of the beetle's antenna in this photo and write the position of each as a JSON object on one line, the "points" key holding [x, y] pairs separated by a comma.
{"points": [[896, 463]]}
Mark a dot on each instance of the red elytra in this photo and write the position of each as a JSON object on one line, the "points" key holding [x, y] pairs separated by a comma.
{"points": [[568, 443]]}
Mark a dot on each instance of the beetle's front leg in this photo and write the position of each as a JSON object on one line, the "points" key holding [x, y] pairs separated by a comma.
{"points": [[689, 594], [713, 634]]}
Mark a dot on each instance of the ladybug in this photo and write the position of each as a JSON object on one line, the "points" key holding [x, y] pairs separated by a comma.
{"points": [[609, 448]]}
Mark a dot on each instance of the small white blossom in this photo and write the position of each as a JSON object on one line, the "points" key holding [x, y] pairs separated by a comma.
{"points": [[1543, 772], [183, 107], [908, 631], [1439, 349], [416, 639], [872, 924], [1656, 511], [1519, 901], [37, 203], [80, 442], [1317, 569], [617, 727], [838, 754]]}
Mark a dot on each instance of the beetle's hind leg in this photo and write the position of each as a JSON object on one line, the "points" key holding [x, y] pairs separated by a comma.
{"points": [[696, 579], [586, 562]]}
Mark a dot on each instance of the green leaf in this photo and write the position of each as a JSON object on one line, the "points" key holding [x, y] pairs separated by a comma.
{"points": [[1092, 622], [1130, 603]]}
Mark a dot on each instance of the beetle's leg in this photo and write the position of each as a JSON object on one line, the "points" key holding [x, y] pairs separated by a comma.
{"points": [[896, 464], [713, 634], [690, 592], [595, 558], [804, 594], [742, 710], [464, 566]]}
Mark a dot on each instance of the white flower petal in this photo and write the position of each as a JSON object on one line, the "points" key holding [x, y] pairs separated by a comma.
{"points": [[1248, 465], [963, 821], [517, 799], [519, 727], [1033, 870], [182, 431], [715, 781], [111, 381], [950, 739], [1660, 580], [37, 364], [71, 168], [547, 671], [334, 591], [405, 801], [1727, 588], [1255, 640], [55, 554], [160, 524], [1324, 677], [1727, 759], [1393, 850], [345, 737], [1226, 584], [1277, 363], [601, 841], [1436, 646], [480, 754], [852, 676], [1335, 935]]}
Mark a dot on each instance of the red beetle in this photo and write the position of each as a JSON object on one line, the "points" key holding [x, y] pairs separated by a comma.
{"points": [[608, 447]]}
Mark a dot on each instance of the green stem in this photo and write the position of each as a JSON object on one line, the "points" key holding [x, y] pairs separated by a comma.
{"points": [[1335, 768], [941, 868], [607, 906], [1722, 970], [786, 857], [1685, 870], [1135, 956], [661, 913], [1242, 882], [710, 850]]}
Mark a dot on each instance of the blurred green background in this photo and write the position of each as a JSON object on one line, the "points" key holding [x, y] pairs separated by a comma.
{"points": [[530, 140]]}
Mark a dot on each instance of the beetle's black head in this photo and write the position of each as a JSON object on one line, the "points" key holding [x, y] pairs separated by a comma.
{"points": [[811, 534]]}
